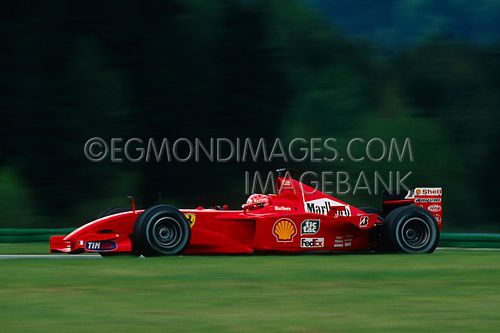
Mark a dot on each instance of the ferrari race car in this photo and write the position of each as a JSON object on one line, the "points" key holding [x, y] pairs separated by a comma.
{"points": [[297, 219]]}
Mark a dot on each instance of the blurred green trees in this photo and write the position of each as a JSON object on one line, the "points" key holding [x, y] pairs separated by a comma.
{"points": [[18, 208], [71, 71]]}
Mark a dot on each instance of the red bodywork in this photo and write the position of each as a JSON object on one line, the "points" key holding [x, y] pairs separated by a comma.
{"points": [[297, 219]]}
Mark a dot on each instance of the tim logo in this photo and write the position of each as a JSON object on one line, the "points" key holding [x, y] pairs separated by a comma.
{"points": [[100, 246], [309, 227], [93, 246]]}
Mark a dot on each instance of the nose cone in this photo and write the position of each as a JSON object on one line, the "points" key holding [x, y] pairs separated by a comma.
{"points": [[121, 223]]}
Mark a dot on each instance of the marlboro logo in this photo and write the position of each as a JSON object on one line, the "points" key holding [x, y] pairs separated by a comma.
{"points": [[323, 206]]}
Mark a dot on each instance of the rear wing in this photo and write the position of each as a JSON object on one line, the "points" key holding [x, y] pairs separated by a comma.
{"points": [[429, 198]]}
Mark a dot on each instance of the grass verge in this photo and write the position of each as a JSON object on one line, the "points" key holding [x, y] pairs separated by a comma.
{"points": [[451, 290]]}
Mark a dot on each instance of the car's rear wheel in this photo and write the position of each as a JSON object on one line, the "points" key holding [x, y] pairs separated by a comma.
{"points": [[161, 230], [411, 229]]}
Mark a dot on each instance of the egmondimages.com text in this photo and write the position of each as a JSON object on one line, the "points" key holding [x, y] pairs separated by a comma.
{"points": [[244, 150]]}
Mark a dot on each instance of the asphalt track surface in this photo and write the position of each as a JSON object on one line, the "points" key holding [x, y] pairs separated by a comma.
{"points": [[49, 256], [97, 256]]}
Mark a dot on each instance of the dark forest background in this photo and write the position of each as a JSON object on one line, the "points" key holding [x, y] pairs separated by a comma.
{"points": [[72, 70]]}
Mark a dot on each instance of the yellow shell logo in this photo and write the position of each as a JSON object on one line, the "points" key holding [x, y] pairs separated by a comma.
{"points": [[284, 230]]}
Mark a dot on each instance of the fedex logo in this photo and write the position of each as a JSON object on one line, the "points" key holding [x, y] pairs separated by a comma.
{"points": [[312, 242]]}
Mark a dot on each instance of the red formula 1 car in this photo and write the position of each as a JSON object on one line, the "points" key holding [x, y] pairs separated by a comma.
{"points": [[297, 219]]}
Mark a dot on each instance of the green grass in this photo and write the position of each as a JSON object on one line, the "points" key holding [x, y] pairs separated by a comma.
{"points": [[24, 248], [449, 291]]}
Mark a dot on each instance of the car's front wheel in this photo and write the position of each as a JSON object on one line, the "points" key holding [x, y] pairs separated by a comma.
{"points": [[161, 230]]}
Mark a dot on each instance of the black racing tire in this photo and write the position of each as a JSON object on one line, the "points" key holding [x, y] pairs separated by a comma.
{"points": [[411, 229], [161, 230], [112, 211]]}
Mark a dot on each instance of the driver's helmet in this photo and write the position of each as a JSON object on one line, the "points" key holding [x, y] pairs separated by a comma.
{"points": [[256, 201]]}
